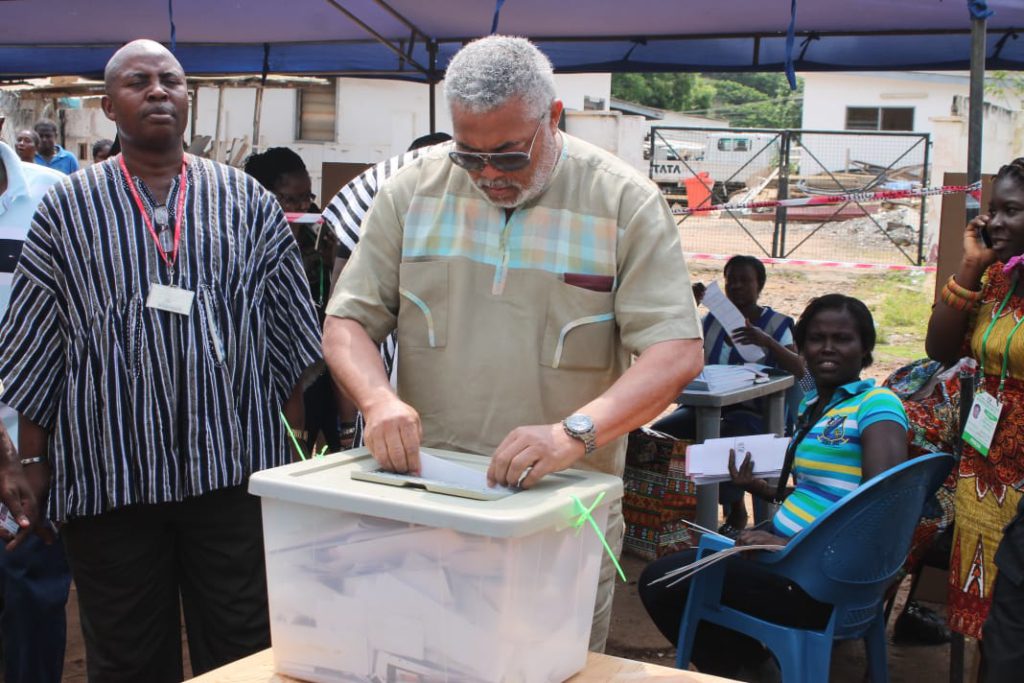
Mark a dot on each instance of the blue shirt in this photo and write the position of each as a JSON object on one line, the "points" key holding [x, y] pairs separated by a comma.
{"points": [[828, 460], [63, 161]]}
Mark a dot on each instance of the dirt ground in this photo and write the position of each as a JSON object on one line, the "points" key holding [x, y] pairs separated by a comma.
{"points": [[632, 633]]}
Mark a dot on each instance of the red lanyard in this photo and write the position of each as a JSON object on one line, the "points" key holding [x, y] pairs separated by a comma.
{"points": [[178, 216]]}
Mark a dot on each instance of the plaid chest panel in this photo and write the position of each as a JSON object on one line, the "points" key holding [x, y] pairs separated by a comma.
{"points": [[540, 238]]}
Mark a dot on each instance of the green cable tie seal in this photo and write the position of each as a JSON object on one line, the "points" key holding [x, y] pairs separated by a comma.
{"points": [[295, 442], [322, 453], [585, 516]]}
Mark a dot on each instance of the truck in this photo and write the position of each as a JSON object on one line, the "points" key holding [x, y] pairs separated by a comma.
{"points": [[733, 160]]}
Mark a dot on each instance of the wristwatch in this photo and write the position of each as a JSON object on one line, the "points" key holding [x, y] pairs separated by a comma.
{"points": [[581, 428]]}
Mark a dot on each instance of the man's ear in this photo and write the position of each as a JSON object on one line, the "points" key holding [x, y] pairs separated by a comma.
{"points": [[108, 109], [556, 111]]}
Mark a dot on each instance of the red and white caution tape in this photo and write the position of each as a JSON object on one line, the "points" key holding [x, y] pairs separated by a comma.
{"points": [[820, 200], [821, 264], [308, 218]]}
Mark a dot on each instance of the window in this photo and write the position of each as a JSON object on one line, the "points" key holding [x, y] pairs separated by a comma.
{"points": [[593, 103], [734, 144], [879, 118], [317, 113]]}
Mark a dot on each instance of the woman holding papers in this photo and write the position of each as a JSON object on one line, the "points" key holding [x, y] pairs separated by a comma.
{"points": [[849, 431], [745, 277]]}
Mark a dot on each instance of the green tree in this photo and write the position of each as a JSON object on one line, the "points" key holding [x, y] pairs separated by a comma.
{"points": [[749, 100], [672, 91]]}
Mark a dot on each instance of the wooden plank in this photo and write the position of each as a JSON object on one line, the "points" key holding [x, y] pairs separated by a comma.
{"points": [[259, 668]]}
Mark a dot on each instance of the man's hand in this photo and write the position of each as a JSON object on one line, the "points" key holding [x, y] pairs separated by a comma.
{"points": [[23, 490], [393, 434], [542, 448]]}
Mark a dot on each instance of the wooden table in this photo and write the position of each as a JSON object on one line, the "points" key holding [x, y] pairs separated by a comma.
{"points": [[709, 406], [259, 668]]}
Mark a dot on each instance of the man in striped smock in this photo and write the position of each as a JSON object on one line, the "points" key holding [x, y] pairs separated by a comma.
{"points": [[160, 320]]}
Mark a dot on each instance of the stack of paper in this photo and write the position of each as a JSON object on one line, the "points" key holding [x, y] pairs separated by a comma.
{"points": [[720, 379], [708, 462]]}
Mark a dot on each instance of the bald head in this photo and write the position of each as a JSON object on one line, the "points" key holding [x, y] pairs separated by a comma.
{"points": [[128, 52]]}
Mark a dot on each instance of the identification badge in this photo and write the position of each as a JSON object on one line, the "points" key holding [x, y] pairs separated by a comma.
{"points": [[170, 299], [982, 422]]}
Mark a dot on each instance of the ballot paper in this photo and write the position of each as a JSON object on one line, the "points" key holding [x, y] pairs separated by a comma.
{"points": [[708, 462], [441, 476], [730, 317], [721, 379]]}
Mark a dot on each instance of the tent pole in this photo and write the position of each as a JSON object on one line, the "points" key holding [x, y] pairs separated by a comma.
{"points": [[257, 115], [432, 50], [976, 112]]}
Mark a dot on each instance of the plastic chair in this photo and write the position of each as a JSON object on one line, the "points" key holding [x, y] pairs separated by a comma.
{"points": [[846, 558]]}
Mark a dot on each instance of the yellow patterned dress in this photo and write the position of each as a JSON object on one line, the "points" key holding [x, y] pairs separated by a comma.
{"points": [[989, 488]]}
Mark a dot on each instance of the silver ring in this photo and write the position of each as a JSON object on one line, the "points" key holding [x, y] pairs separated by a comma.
{"points": [[523, 476]]}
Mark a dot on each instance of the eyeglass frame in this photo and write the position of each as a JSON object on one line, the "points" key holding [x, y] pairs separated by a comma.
{"points": [[487, 158]]}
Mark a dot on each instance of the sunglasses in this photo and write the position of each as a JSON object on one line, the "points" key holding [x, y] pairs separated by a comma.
{"points": [[501, 161]]}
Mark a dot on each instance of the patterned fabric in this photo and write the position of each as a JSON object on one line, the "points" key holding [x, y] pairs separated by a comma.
{"points": [[988, 488], [718, 350], [657, 496], [346, 211], [934, 420], [147, 406], [828, 460]]}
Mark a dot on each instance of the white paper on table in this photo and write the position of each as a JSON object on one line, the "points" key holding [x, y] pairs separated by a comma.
{"points": [[447, 472], [730, 317], [711, 458]]}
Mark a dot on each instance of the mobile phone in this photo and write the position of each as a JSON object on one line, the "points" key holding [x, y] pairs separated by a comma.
{"points": [[985, 237]]}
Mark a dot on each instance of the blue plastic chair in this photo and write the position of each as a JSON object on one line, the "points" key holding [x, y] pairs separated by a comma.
{"points": [[847, 558]]}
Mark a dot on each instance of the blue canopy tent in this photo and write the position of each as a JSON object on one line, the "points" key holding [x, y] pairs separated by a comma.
{"points": [[414, 39]]}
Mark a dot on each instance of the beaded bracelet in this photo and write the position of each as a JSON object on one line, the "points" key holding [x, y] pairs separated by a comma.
{"points": [[961, 291]]}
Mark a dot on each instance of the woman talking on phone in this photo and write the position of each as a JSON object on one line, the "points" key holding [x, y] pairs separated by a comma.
{"points": [[981, 312]]}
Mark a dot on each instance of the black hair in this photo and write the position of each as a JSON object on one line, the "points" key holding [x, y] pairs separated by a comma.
{"points": [[268, 168], [100, 144], [1013, 170], [862, 320], [751, 261], [44, 123], [428, 140]]}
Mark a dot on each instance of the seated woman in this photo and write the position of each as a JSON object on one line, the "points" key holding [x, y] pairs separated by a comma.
{"points": [[745, 277], [849, 430]]}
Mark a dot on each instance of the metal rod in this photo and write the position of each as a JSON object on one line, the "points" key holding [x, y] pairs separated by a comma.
{"points": [[400, 17], [975, 121], [380, 38], [220, 115], [924, 203]]}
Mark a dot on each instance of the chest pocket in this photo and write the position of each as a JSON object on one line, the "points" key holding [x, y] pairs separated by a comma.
{"points": [[423, 309], [579, 333]]}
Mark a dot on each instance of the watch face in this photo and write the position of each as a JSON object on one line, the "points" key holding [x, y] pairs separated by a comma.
{"points": [[579, 424]]}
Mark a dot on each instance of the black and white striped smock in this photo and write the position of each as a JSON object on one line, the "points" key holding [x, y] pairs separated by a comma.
{"points": [[147, 406]]}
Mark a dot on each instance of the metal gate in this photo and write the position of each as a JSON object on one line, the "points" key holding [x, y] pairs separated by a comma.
{"points": [[705, 166]]}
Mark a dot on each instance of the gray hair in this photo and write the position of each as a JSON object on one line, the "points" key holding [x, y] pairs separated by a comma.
{"points": [[489, 72]]}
